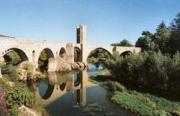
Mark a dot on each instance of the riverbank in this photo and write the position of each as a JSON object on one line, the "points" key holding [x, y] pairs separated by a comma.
{"points": [[146, 104], [139, 103], [19, 99]]}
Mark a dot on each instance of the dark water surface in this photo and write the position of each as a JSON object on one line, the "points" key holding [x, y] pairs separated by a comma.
{"points": [[71, 94]]}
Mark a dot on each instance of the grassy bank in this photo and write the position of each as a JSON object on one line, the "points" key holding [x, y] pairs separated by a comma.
{"points": [[146, 104], [139, 103]]}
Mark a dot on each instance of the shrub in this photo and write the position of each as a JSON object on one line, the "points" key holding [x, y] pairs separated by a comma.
{"points": [[16, 96], [10, 71], [151, 70]]}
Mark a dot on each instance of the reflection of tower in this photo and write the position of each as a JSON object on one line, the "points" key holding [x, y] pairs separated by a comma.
{"points": [[81, 38], [69, 83], [81, 93]]}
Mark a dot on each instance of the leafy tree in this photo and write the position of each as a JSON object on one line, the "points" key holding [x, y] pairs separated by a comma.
{"points": [[144, 41], [161, 38], [124, 42], [150, 70], [12, 57], [43, 61], [175, 37]]}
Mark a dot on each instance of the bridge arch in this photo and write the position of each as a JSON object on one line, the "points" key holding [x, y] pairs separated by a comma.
{"points": [[62, 53], [77, 54], [108, 53], [125, 53], [22, 55], [43, 58]]}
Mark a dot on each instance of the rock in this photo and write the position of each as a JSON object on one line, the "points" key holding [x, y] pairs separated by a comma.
{"points": [[25, 111], [11, 84], [60, 64], [65, 67], [22, 74], [75, 66], [25, 70], [82, 65]]}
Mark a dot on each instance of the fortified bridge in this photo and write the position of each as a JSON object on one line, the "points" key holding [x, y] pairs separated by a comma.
{"points": [[30, 50]]}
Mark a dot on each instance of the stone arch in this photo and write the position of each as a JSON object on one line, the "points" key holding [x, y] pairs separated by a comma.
{"points": [[49, 54], [62, 53], [109, 52], [20, 52], [126, 53], [77, 54]]}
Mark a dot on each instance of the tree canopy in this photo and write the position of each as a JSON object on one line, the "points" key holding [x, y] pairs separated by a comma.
{"points": [[124, 42], [165, 39]]}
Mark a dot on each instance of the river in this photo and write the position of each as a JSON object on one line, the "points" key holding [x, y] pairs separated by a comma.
{"points": [[71, 94]]}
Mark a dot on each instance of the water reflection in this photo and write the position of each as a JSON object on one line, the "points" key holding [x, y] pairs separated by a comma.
{"points": [[68, 94], [58, 84]]}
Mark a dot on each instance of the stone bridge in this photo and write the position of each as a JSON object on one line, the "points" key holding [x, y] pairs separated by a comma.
{"points": [[30, 50]]}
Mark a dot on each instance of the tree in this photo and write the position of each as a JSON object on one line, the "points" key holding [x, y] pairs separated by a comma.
{"points": [[144, 41], [12, 57], [175, 37], [124, 42], [161, 38]]}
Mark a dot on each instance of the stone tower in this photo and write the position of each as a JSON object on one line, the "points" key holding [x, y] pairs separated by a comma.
{"points": [[81, 34], [81, 39]]}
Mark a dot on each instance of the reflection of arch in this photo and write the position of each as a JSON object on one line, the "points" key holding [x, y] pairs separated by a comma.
{"points": [[62, 86], [48, 92], [100, 50], [77, 79], [20, 52], [62, 52], [126, 53], [77, 54]]}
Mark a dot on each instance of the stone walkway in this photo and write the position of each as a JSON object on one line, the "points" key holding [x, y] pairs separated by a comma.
{"points": [[3, 109]]}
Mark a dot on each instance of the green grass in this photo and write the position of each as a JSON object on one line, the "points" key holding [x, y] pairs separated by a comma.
{"points": [[146, 104]]}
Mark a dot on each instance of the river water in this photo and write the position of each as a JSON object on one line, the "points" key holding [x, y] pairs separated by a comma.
{"points": [[71, 94]]}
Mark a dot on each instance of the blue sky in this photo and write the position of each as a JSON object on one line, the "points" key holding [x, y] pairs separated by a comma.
{"points": [[107, 21]]}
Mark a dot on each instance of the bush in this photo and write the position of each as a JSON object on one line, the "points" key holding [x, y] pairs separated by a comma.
{"points": [[151, 70], [10, 71], [115, 86], [16, 96]]}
